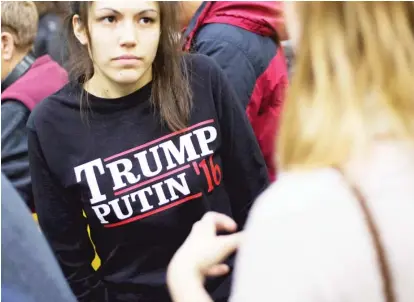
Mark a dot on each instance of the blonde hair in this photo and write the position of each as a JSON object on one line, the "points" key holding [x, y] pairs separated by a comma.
{"points": [[20, 18], [353, 81]]}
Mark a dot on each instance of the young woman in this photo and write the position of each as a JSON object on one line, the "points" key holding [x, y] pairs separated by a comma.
{"points": [[143, 142], [338, 225]]}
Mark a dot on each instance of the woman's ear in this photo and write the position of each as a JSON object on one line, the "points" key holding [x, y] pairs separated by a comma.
{"points": [[79, 30]]}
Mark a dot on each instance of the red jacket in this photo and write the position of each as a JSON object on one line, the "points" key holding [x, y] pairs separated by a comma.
{"points": [[44, 78], [241, 37]]}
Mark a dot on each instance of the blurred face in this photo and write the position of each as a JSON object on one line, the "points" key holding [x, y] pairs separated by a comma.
{"points": [[124, 38]]}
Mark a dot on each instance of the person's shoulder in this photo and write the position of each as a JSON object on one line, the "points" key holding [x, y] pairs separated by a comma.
{"points": [[234, 40], [217, 33], [200, 63], [54, 105], [203, 71], [300, 193]]}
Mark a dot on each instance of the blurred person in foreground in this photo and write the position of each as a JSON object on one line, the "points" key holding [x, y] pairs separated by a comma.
{"points": [[244, 39], [25, 81], [29, 270], [338, 223]]}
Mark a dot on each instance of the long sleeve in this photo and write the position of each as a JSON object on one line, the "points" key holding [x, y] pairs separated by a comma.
{"points": [[14, 154], [61, 220], [244, 169]]}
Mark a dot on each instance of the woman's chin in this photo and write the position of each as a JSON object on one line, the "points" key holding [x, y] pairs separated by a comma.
{"points": [[128, 77]]}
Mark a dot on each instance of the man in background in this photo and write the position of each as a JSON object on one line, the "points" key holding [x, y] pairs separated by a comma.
{"points": [[25, 81], [244, 39]]}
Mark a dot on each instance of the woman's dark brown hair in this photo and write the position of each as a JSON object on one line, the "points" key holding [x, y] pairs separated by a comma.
{"points": [[171, 93]]}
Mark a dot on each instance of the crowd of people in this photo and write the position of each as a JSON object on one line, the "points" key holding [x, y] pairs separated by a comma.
{"points": [[207, 151]]}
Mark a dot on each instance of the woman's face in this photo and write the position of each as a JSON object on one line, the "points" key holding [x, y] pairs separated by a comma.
{"points": [[124, 38]]}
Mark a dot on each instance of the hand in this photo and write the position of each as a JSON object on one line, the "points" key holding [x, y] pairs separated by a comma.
{"points": [[201, 255]]}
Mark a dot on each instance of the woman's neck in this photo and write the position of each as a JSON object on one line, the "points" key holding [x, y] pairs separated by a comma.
{"points": [[102, 87]]}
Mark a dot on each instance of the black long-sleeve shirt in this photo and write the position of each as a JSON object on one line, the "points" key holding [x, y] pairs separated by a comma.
{"points": [[140, 185]]}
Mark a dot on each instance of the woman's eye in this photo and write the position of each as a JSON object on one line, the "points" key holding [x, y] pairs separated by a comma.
{"points": [[109, 19], [146, 21]]}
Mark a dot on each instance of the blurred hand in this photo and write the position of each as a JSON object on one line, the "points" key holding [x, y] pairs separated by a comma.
{"points": [[200, 256]]}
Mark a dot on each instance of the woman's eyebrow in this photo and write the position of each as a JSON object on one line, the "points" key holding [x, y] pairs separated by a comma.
{"points": [[111, 9], [139, 13], [148, 10]]}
